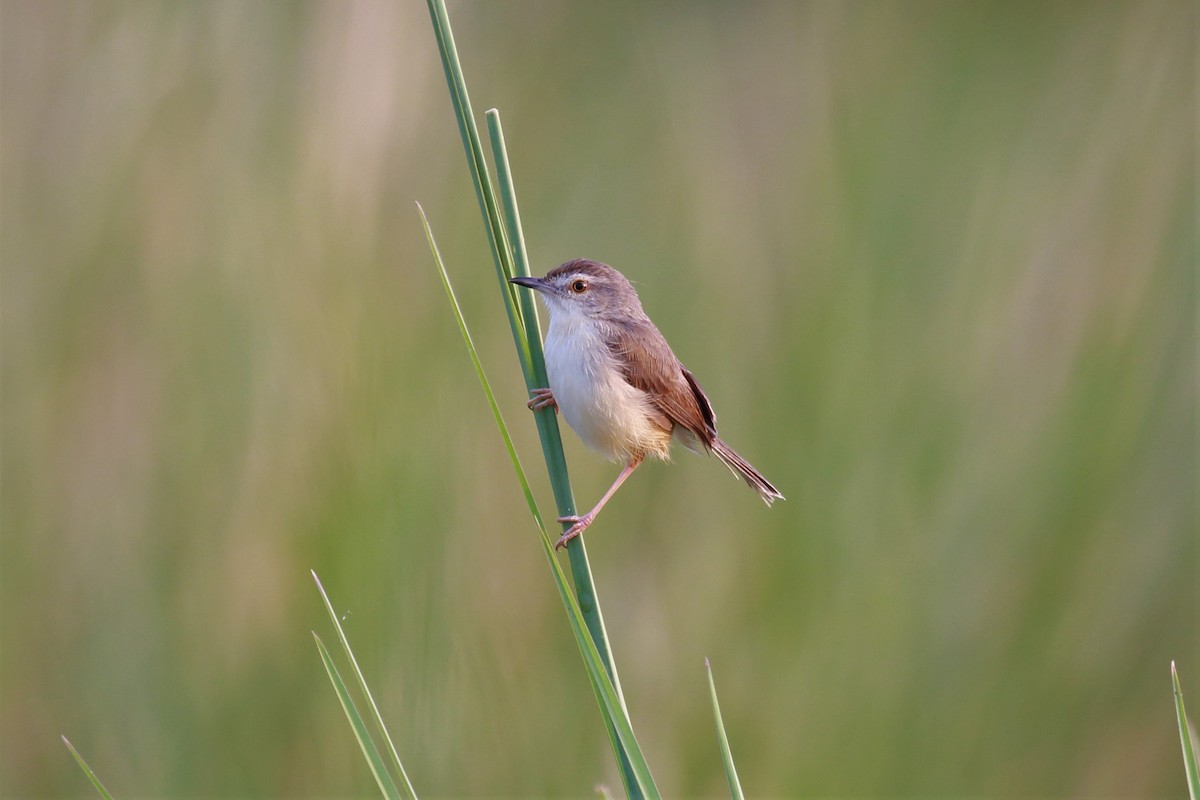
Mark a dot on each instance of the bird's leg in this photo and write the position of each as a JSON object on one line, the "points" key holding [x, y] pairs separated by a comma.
{"points": [[580, 523], [542, 398]]}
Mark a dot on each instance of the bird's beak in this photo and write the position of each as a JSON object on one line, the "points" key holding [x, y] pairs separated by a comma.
{"points": [[537, 284]]}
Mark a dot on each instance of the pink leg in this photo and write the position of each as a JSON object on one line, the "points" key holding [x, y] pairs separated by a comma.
{"points": [[542, 398], [581, 523]]}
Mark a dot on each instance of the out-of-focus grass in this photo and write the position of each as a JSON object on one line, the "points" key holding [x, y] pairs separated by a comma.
{"points": [[937, 274]]}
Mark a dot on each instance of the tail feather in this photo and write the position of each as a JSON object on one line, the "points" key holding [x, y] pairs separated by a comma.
{"points": [[742, 468]]}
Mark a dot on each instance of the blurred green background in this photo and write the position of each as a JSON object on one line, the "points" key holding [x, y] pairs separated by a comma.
{"points": [[933, 261]]}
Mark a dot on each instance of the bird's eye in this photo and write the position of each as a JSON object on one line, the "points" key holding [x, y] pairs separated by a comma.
{"points": [[579, 286]]}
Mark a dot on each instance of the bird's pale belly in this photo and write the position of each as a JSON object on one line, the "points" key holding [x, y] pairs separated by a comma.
{"points": [[608, 414]]}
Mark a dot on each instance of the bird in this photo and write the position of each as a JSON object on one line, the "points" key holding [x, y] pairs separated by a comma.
{"points": [[617, 382]]}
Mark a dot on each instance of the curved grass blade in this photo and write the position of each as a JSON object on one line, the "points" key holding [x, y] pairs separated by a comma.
{"points": [[475, 362], [639, 780], [366, 690], [378, 768], [735, 786], [1186, 738], [87, 770]]}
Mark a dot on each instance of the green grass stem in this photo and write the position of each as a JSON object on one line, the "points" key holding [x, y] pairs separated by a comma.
{"points": [[735, 786], [405, 783], [480, 177], [635, 771], [87, 770], [507, 245], [1186, 738], [378, 768], [546, 420]]}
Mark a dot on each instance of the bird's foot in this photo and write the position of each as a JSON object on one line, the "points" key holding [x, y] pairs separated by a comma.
{"points": [[542, 398], [578, 526]]}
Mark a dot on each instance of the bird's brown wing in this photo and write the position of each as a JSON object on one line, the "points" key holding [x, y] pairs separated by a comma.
{"points": [[648, 364]]}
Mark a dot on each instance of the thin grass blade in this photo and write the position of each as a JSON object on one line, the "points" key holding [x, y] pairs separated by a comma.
{"points": [[366, 690], [515, 233], [374, 760], [735, 786], [1187, 738], [526, 490], [612, 706], [87, 770]]}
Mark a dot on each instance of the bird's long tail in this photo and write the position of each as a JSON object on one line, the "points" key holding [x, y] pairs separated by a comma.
{"points": [[742, 468]]}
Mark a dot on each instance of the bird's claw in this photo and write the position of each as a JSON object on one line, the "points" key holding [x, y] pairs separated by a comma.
{"points": [[578, 526], [542, 398]]}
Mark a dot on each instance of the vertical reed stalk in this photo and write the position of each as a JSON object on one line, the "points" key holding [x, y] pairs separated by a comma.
{"points": [[509, 257]]}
